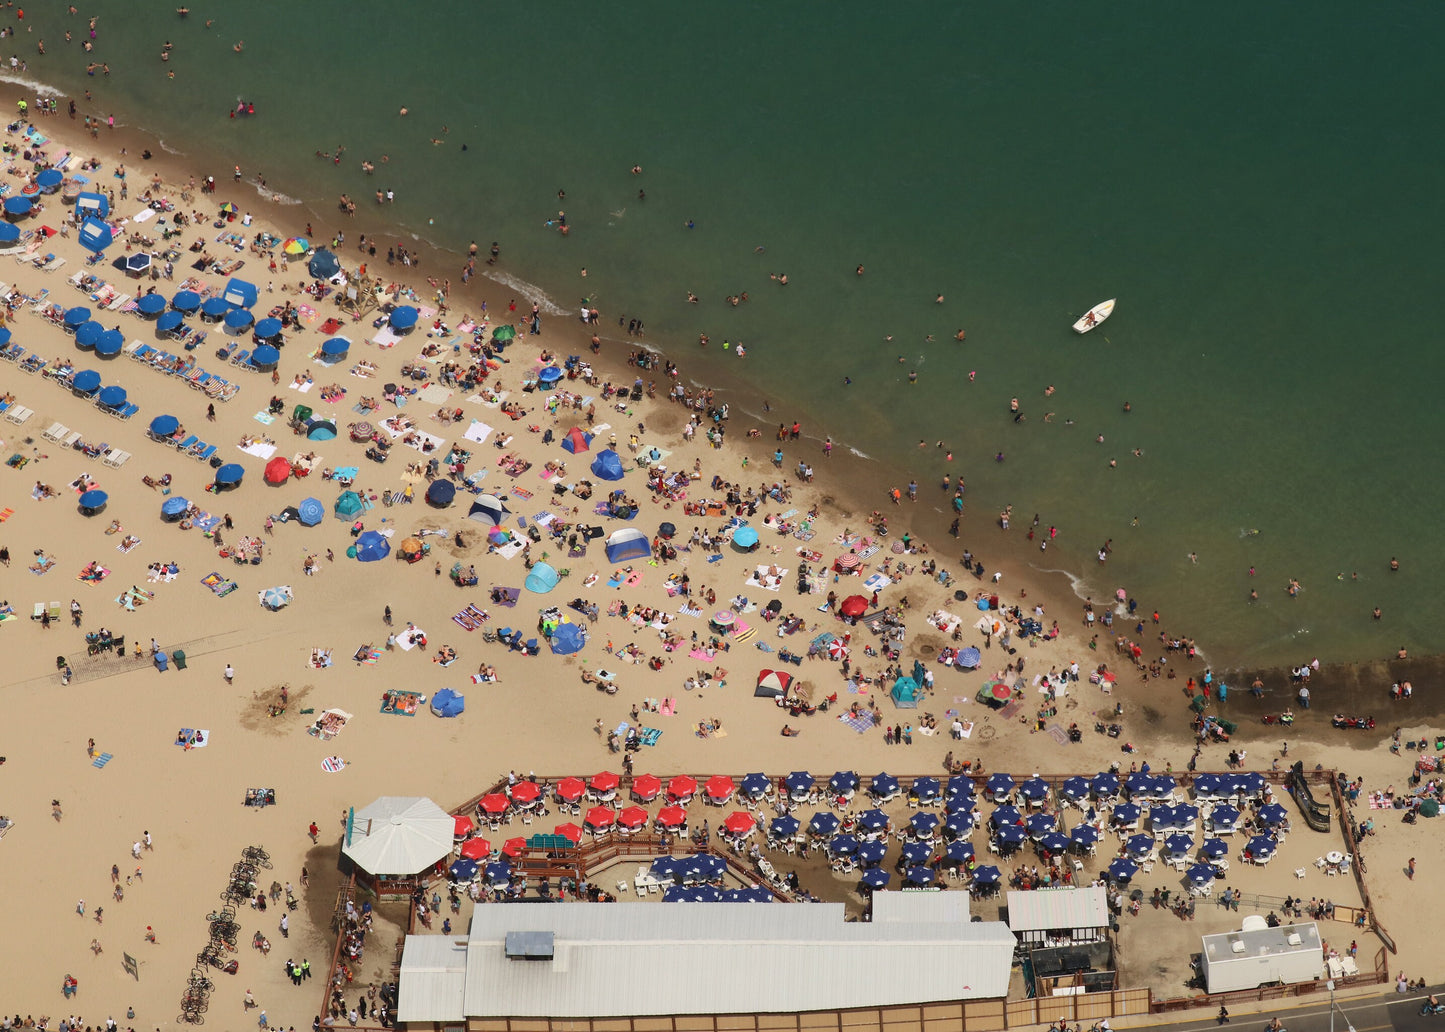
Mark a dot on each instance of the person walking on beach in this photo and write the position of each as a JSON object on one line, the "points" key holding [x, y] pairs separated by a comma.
{"points": [[313, 831], [229, 674], [285, 927], [1410, 869]]}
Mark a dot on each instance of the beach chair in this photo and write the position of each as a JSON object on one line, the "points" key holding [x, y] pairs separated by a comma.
{"points": [[204, 455], [129, 409], [18, 414], [183, 445], [31, 364], [55, 432], [116, 458], [118, 302], [241, 358], [52, 265], [143, 353], [71, 439]]}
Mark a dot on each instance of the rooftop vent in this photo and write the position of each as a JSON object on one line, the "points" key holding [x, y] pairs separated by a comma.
{"points": [[529, 946]]}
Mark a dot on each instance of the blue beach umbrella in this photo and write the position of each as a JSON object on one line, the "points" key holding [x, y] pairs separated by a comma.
{"points": [[1084, 835], [961, 785], [1075, 788], [1200, 874], [1273, 814], [917, 852], [800, 782], [1127, 813], [95, 235], [164, 426], [464, 870], [238, 319], [87, 334], [335, 347], [77, 315], [92, 502], [1000, 784], [754, 786], [1003, 816], [172, 507], [872, 852], [186, 301], [1139, 845], [958, 852], [311, 512], [214, 308], [883, 786], [112, 396], [9, 233], [843, 845], [17, 207], [1224, 816], [663, 867], [1249, 783], [549, 376], [959, 824], [1040, 823], [823, 823], [843, 782], [1260, 845], [137, 263], [1215, 849], [267, 329], [924, 823], [745, 537], [371, 546], [324, 265], [876, 878], [151, 304], [87, 381], [925, 789], [265, 357], [440, 493], [230, 474], [968, 658], [109, 344], [1054, 842], [1162, 818], [1207, 784], [404, 317], [49, 179], [921, 875], [873, 820], [1034, 789], [499, 875], [784, 827], [1179, 843], [1105, 785], [1122, 869], [169, 321], [1137, 783], [1010, 834], [986, 875]]}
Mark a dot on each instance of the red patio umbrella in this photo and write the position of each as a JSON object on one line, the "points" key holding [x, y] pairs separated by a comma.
{"points": [[526, 792], [464, 826], [476, 849], [672, 817], [600, 817], [720, 787], [569, 831], [495, 802], [854, 605], [684, 786], [278, 470], [646, 787], [604, 782], [514, 847], [570, 789], [740, 822], [633, 817]]}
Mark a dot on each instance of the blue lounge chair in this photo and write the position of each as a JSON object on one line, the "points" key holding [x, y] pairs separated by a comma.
{"points": [[183, 445], [130, 409], [204, 455], [241, 358]]}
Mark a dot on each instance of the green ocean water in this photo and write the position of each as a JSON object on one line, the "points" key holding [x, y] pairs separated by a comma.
{"points": [[1258, 187]]}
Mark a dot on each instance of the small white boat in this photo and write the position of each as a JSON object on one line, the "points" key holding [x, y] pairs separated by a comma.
{"points": [[1094, 316]]}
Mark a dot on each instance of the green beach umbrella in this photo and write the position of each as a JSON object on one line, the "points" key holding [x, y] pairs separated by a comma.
{"points": [[504, 332]]}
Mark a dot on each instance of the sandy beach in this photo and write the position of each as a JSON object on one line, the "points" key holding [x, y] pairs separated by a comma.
{"points": [[540, 714]]}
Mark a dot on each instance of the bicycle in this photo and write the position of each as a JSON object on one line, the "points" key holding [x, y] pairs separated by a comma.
{"points": [[257, 855]]}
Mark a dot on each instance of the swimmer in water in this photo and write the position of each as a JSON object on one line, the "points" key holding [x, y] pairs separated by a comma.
{"points": [[859, 270], [240, 45], [959, 335], [938, 300]]}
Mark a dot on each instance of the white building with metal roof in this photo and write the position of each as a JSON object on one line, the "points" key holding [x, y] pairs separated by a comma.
{"points": [[1059, 917], [571, 961]]}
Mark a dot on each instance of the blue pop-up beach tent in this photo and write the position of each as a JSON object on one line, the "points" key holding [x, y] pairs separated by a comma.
{"points": [[607, 465], [568, 638], [487, 509], [240, 294], [541, 579], [447, 703], [628, 543], [371, 546], [95, 235], [91, 203]]}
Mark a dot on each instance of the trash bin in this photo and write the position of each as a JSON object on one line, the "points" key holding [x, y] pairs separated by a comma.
{"points": [[178, 657], [162, 661]]}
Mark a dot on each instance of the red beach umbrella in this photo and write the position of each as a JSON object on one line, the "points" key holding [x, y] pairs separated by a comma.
{"points": [[570, 789], [569, 831], [672, 817], [514, 847], [464, 826], [604, 782], [740, 822], [684, 786], [476, 849], [526, 792], [278, 470], [848, 561], [646, 787], [633, 817], [600, 817], [495, 802], [720, 787], [854, 605]]}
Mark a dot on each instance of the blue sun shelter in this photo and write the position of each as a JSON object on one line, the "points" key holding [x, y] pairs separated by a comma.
{"points": [[447, 703], [88, 203], [323, 264], [541, 579], [568, 638], [371, 547], [488, 509], [95, 235], [607, 465], [440, 493], [349, 505], [240, 294], [628, 543]]}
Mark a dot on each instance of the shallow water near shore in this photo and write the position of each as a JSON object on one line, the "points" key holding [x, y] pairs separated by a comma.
{"points": [[1253, 187]]}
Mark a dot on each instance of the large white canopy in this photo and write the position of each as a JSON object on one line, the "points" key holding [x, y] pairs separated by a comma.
{"points": [[399, 835]]}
